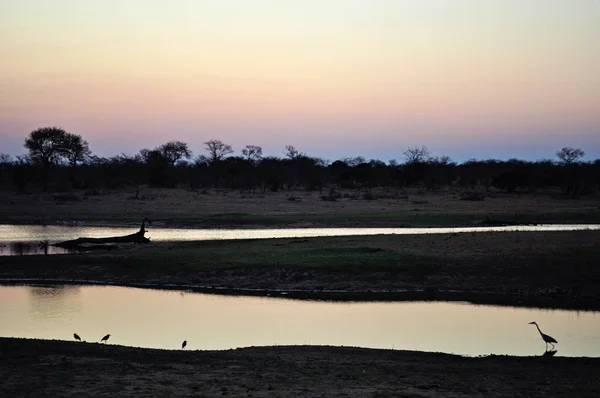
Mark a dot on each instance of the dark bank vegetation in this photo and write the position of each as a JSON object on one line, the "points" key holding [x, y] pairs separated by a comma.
{"points": [[555, 269], [60, 162]]}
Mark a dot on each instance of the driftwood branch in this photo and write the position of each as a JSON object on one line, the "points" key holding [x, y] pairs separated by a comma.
{"points": [[137, 237]]}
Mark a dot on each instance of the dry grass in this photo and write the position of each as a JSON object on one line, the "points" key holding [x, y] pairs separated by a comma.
{"points": [[185, 206]]}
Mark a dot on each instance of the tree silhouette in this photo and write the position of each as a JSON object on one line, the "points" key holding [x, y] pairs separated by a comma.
{"points": [[53, 152], [174, 151], [45, 145], [217, 150], [416, 155], [569, 155], [352, 162], [51, 145], [252, 153], [5, 158], [292, 153], [76, 149]]}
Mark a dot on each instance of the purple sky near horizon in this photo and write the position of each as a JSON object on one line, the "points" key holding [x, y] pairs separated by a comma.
{"points": [[465, 78]]}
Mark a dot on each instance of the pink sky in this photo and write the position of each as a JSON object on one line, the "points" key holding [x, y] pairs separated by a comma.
{"points": [[466, 78]]}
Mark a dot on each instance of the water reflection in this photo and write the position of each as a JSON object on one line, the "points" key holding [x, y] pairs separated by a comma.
{"points": [[30, 248], [549, 353], [163, 319], [53, 301], [35, 234]]}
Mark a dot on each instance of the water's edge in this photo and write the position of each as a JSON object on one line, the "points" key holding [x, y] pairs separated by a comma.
{"points": [[478, 298]]}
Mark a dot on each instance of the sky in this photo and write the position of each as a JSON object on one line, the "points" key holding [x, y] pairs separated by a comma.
{"points": [[334, 78]]}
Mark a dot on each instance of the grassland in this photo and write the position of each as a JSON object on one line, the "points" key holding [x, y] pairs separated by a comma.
{"points": [[179, 207]]}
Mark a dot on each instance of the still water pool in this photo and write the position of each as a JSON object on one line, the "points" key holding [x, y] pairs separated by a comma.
{"points": [[163, 319]]}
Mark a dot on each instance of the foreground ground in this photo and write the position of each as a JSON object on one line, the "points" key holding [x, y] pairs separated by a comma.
{"points": [[54, 368]]}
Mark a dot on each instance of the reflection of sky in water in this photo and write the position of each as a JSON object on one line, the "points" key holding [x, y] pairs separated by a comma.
{"points": [[47, 302], [29, 233], [29, 248], [163, 319]]}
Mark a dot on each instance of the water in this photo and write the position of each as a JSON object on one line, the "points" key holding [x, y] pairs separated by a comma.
{"points": [[28, 237], [163, 319]]}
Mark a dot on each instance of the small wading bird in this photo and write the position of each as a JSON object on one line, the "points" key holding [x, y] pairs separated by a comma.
{"points": [[76, 337], [183, 344], [547, 339], [105, 338]]}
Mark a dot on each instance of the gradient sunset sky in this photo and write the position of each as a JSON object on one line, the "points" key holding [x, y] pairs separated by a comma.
{"points": [[334, 78]]}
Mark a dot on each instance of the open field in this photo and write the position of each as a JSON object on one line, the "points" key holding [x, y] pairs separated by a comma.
{"points": [[54, 368], [174, 207], [556, 269]]}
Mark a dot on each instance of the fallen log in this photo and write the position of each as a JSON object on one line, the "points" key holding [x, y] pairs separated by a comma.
{"points": [[137, 237]]}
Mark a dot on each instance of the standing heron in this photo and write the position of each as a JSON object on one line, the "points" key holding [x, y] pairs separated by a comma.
{"points": [[76, 337], [105, 338], [183, 344], [547, 339]]}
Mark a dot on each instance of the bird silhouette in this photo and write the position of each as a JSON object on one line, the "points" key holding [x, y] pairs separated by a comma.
{"points": [[76, 336], [105, 338], [183, 344], [547, 339]]}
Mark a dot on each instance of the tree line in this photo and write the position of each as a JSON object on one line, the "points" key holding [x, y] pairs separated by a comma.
{"points": [[62, 161]]}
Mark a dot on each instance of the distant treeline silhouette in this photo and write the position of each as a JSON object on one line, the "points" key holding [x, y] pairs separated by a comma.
{"points": [[61, 161]]}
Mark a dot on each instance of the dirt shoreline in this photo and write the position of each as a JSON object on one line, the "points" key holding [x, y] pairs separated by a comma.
{"points": [[37, 368]]}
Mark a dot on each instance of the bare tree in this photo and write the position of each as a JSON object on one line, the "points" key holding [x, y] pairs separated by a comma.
{"points": [[416, 154], [175, 151], [569, 155], [5, 158], [217, 150], [354, 161], [252, 153], [201, 160], [442, 160], [22, 160], [322, 162], [145, 154], [292, 153]]}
